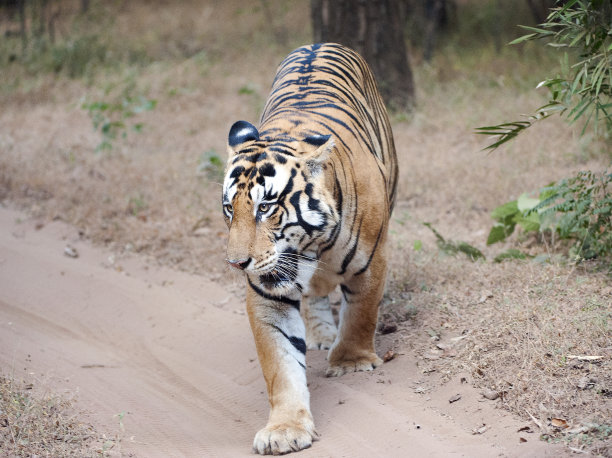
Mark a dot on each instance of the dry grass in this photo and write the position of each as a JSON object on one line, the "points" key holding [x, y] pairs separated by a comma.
{"points": [[211, 65], [520, 328], [37, 423]]}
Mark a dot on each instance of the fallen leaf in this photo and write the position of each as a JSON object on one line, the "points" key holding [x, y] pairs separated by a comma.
{"points": [[455, 398], [388, 356], [522, 439], [525, 429], [559, 423], [585, 357]]}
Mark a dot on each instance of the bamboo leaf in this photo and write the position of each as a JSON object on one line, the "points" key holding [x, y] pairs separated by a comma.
{"points": [[524, 38]]}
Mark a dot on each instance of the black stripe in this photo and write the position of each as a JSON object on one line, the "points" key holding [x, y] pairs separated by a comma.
{"points": [[329, 243], [282, 299], [297, 342], [362, 270], [349, 257], [345, 291]]}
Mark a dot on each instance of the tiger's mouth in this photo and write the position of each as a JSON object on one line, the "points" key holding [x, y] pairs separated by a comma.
{"points": [[284, 273], [274, 278]]}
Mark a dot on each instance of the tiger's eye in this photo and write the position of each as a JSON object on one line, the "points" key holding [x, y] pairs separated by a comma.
{"points": [[228, 208], [264, 207]]}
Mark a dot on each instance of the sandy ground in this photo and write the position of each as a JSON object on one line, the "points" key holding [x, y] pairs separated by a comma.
{"points": [[173, 352]]}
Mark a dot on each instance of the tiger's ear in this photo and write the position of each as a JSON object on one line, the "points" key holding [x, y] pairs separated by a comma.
{"points": [[317, 148], [240, 132]]}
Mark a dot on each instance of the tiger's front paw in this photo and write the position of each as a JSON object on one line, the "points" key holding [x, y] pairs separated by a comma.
{"points": [[320, 337], [320, 326], [342, 362], [284, 438]]}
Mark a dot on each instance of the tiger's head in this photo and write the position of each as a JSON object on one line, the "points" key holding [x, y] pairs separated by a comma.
{"points": [[276, 205]]}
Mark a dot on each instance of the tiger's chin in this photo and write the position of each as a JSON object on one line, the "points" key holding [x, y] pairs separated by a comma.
{"points": [[277, 281]]}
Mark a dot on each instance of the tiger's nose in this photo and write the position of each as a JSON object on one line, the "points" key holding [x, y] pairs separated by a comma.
{"points": [[240, 264]]}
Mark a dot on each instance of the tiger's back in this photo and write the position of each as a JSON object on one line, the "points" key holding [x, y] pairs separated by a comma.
{"points": [[329, 89]]}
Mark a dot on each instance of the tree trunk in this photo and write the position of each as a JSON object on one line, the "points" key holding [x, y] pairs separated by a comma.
{"points": [[373, 28], [22, 27], [540, 9], [435, 16]]}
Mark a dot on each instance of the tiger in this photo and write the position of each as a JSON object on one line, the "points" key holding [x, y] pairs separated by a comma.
{"points": [[307, 199]]}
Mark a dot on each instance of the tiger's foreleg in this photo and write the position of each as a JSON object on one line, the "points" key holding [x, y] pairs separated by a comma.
{"points": [[354, 349], [279, 335]]}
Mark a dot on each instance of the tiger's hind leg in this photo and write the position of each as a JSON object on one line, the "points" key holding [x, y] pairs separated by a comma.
{"points": [[353, 349], [320, 326]]}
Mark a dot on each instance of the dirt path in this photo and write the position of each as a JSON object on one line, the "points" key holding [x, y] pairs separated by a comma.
{"points": [[174, 353]]}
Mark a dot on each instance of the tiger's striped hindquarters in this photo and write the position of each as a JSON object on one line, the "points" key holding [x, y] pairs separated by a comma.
{"points": [[307, 198]]}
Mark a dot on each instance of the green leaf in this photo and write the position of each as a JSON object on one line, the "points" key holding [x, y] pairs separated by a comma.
{"points": [[530, 222], [472, 252], [526, 203], [536, 30], [436, 233], [417, 245], [497, 234], [527, 37], [507, 209], [511, 253], [550, 82], [247, 89]]}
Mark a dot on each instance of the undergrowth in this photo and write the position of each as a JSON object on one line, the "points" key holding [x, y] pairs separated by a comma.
{"points": [[114, 116], [33, 424], [578, 209]]}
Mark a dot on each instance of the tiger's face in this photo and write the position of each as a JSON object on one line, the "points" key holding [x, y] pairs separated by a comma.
{"points": [[276, 207]]}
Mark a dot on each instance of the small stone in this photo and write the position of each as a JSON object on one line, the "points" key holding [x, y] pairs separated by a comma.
{"points": [[71, 252], [491, 395], [387, 328]]}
